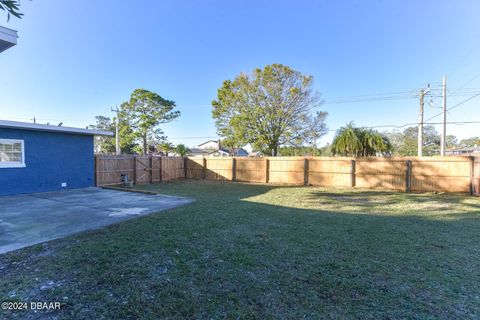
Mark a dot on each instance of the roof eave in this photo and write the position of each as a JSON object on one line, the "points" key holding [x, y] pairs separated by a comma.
{"points": [[8, 38], [51, 128]]}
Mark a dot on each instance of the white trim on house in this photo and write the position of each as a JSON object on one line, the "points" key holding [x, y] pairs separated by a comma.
{"points": [[8, 38], [13, 164], [216, 142], [48, 127]]}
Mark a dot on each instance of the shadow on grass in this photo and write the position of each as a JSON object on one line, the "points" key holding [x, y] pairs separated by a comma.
{"points": [[247, 251], [371, 199]]}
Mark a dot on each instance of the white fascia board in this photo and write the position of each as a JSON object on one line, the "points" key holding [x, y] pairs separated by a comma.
{"points": [[52, 128], [8, 38]]}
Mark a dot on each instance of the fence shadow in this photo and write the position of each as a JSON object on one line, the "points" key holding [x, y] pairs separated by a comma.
{"points": [[253, 249], [343, 253]]}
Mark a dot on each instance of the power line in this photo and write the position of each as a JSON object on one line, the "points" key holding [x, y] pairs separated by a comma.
{"points": [[464, 129], [455, 106], [366, 127], [396, 126], [400, 95], [416, 123], [468, 82], [462, 60], [374, 94], [327, 102], [367, 98], [179, 138]]}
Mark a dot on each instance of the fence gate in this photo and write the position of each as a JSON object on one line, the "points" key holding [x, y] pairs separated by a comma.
{"points": [[143, 169]]}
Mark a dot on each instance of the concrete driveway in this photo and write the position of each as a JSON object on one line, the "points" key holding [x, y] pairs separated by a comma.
{"points": [[34, 218]]}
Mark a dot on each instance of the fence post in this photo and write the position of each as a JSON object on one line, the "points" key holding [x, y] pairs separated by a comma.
{"points": [[135, 169], [353, 170], [96, 169], [185, 160], [305, 171], [204, 168], [472, 175], [408, 176], [476, 176], [151, 169], [234, 168], [160, 169], [267, 170]]}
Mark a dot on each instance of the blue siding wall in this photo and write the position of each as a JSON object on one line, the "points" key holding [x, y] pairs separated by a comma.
{"points": [[51, 158]]}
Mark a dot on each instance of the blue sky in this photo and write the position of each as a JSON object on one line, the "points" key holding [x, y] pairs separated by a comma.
{"points": [[76, 59]]}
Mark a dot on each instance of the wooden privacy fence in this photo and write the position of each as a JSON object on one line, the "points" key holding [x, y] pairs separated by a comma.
{"points": [[140, 169], [443, 174], [476, 175]]}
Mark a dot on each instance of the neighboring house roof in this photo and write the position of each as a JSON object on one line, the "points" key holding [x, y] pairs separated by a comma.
{"points": [[8, 38], [255, 154], [52, 128], [236, 152], [201, 144], [218, 150], [221, 152], [201, 152], [214, 142], [470, 150], [241, 152]]}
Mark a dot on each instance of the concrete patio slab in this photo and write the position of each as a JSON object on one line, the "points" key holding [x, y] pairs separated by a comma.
{"points": [[29, 219]]}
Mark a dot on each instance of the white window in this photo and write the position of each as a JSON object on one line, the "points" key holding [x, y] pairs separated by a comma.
{"points": [[12, 153]]}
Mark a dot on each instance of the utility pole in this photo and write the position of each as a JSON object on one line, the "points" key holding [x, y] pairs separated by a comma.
{"points": [[117, 135], [444, 118], [422, 95], [420, 124]]}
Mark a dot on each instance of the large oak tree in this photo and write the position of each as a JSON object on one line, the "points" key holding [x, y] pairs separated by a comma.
{"points": [[269, 108]]}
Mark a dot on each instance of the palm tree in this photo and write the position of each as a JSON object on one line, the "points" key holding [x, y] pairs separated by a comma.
{"points": [[375, 143], [166, 147], [347, 142], [352, 141], [182, 150]]}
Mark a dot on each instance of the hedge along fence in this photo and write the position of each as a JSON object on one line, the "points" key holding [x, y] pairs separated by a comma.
{"points": [[443, 174]]}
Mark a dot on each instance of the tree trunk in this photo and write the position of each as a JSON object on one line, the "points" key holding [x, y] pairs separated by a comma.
{"points": [[145, 147], [275, 150]]}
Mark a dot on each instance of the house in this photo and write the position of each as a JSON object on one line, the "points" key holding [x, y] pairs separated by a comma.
{"points": [[199, 152], [214, 148], [210, 144], [467, 151], [40, 157], [238, 152], [8, 38], [255, 154]]}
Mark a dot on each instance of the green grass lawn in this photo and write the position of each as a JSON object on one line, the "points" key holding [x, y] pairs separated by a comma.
{"points": [[257, 251]]}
